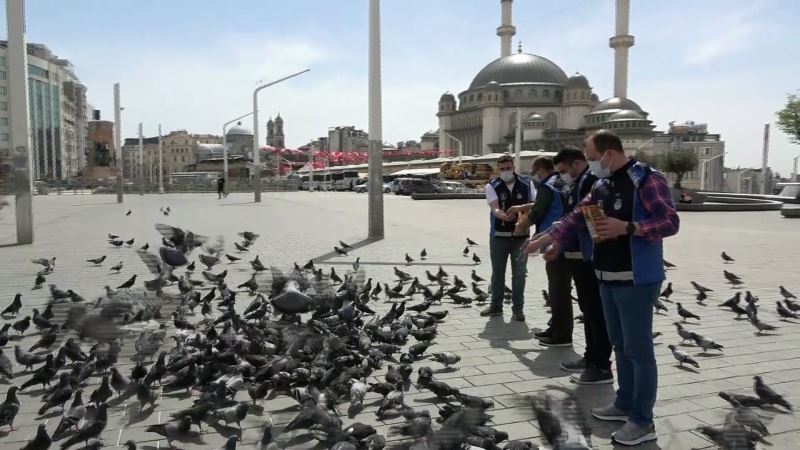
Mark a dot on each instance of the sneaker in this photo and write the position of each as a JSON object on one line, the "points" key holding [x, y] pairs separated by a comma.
{"points": [[610, 413], [541, 334], [491, 312], [579, 365], [634, 434], [518, 316], [593, 375], [548, 341]]}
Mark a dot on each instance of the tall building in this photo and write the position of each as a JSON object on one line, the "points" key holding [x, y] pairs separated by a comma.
{"points": [[556, 109], [709, 148], [58, 114], [275, 136], [347, 139], [180, 150], [130, 158]]}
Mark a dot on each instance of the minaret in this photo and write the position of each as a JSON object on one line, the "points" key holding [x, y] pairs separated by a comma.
{"points": [[506, 31], [621, 43]]}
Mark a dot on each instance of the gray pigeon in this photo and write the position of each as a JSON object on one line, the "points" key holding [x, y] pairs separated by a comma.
{"points": [[682, 357]]}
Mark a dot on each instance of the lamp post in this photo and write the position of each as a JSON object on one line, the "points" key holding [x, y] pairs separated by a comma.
{"points": [[375, 189], [118, 142], [140, 174], [518, 141], [256, 143], [794, 168], [460, 147], [703, 169], [18, 119], [160, 164], [225, 147]]}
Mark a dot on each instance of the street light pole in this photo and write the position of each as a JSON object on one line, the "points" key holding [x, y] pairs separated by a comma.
{"points": [[460, 147], [794, 168], [118, 142], [518, 141], [256, 143], [140, 174], [18, 119], [375, 183], [225, 147], [160, 164]]}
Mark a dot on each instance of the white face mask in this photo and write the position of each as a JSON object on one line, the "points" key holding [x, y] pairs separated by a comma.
{"points": [[507, 176], [596, 167], [566, 177]]}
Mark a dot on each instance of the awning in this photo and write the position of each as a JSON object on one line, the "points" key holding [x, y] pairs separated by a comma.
{"points": [[420, 172]]}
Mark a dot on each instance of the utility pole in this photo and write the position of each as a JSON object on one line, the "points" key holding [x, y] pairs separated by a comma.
{"points": [[118, 142], [375, 190], [18, 119]]}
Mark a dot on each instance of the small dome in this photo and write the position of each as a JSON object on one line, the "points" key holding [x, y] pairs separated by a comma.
{"points": [[594, 98], [535, 117], [519, 68], [238, 129], [616, 103], [625, 114], [577, 81], [447, 97], [493, 85]]}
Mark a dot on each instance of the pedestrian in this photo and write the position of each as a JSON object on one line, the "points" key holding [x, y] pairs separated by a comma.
{"points": [[630, 210], [594, 367], [221, 187], [502, 193], [547, 208]]}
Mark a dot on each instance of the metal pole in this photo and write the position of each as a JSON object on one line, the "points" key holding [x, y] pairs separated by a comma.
{"points": [[460, 146], [764, 160], [118, 142], [160, 163], [794, 168], [311, 166], [375, 190], [18, 119], [140, 174], [256, 144], [518, 141]]}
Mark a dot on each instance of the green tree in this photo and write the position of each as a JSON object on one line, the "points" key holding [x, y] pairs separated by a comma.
{"points": [[679, 162], [651, 159], [789, 118]]}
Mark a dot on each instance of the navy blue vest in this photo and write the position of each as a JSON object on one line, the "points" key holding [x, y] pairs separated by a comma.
{"points": [[520, 195], [583, 244], [556, 210], [626, 259]]}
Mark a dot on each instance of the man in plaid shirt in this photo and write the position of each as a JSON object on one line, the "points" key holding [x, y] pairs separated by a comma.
{"points": [[628, 263]]}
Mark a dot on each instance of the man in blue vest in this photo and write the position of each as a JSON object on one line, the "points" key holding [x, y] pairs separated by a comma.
{"points": [[628, 263], [503, 193], [595, 365]]}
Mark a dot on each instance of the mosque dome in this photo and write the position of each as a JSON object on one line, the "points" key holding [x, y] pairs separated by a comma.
{"points": [[520, 68], [625, 114], [238, 129], [577, 81], [616, 103]]}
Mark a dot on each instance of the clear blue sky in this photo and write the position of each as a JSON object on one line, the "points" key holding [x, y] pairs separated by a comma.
{"points": [[191, 64]]}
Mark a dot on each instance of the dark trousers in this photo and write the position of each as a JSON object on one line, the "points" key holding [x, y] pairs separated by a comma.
{"points": [[598, 346], [500, 250], [559, 286]]}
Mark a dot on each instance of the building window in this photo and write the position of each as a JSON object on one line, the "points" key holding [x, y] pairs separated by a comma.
{"points": [[532, 93], [4, 121], [3, 106], [4, 137], [2, 61], [2, 74], [3, 90], [546, 93], [471, 97], [505, 94], [480, 96], [583, 95], [518, 93]]}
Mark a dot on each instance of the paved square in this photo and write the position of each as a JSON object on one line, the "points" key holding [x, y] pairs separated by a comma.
{"points": [[500, 358]]}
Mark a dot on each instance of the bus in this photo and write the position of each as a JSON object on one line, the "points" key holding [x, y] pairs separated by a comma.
{"points": [[328, 180], [344, 180]]}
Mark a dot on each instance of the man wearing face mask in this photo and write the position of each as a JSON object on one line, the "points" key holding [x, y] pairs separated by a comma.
{"points": [[545, 210], [502, 194], [628, 263], [595, 365]]}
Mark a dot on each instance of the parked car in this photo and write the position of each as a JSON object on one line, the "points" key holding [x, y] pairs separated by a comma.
{"points": [[452, 187], [364, 187], [409, 186]]}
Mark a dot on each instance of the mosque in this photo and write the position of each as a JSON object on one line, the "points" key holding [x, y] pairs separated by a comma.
{"points": [[555, 109]]}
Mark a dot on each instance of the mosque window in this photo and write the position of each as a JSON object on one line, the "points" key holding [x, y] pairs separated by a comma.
{"points": [[583, 95], [532, 93], [557, 94], [480, 96], [471, 97], [505, 93], [546, 93], [518, 93]]}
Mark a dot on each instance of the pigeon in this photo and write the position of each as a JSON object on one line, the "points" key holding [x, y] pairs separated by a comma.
{"points": [[792, 306], [471, 242], [476, 259], [746, 417], [700, 288], [742, 400], [9, 408], [145, 247], [761, 326], [409, 260], [92, 429], [240, 248], [257, 265], [667, 292], [465, 253], [340, 251], [731, 301], [769, 396], [97, 261], [685, 334], [116, 243], [232, 258], [208, 260], [128, 213], [731, 436], [13, 308], [686, 314], [41, 441], [173, 431], [118, 267], [785, 293], [446, 358], [6, 368], [129, 242], [726, 258], [21, 325], [38, 281], [701, 296], [705, 343], [669, 265], [682, 357], [659, 306], [128, 284], [234, 414], [785, 313], [345, 246], [72, 417], [423, 254]]}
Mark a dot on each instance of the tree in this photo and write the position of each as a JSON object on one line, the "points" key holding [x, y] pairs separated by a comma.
{"points": [[789, 118], [651, 159], [679, 162]]}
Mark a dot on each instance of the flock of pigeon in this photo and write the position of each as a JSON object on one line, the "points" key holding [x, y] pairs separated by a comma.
{"points": [[744, 426], [307, 334]]}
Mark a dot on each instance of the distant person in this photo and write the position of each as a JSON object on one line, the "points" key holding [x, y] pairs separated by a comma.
{"points": [[685, 198], [221, 187], [502, 193]]}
